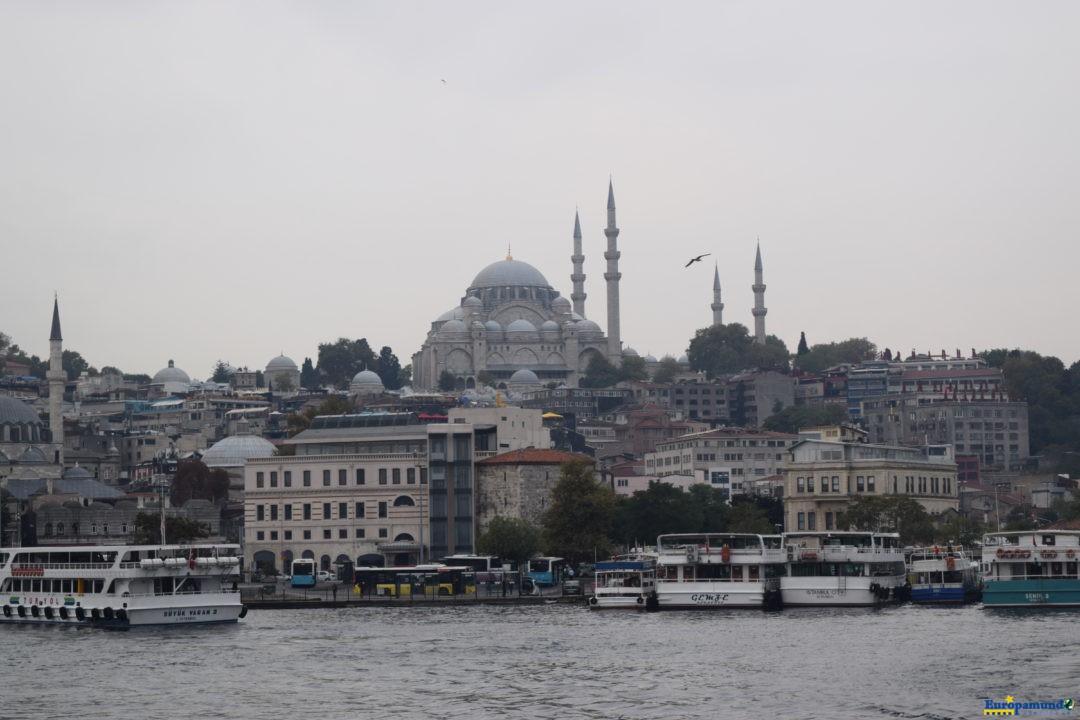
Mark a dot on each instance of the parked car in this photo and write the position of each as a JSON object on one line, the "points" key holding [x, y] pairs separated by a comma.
{"points": [[326, 576]]}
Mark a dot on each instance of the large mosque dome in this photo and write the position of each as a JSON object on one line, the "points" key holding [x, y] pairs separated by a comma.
{"points": [[234, 450], [14, 411], [281, 363], [509, 273]]}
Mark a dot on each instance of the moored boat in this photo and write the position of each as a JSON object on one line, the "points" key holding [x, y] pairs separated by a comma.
{"points": [[1032, 568], [843, 568], [120, 586], [718, 570], [624, 582], [943, 575]]}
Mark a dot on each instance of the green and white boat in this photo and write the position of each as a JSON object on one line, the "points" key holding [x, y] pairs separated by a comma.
{"points": [[1032, 568]]}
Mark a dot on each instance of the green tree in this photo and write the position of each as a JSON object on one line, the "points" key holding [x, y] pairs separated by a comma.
{"points": [[447, 381], [796, 417], [388, 368], [110, 370], [579, 522], [633, 369], [747, 517], [892, 513], [826, 355], [599, 373], [728, 349], [146, 530], [666, 370], [221, 372], [486, 378], [512, 539], [661, 508], [194, 480], [340, 361], [74, 364], [803, 347], [309, 376], [331, 405], [960, 530], [405, 376]]}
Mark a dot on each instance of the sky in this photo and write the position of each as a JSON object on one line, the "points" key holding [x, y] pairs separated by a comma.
{"points": [[232, 180]]}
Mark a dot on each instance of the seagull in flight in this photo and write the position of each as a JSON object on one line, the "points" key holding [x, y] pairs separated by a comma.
{"points": [[696, 259]]}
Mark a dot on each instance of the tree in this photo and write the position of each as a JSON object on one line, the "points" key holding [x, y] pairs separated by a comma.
{"points": [[485, 378], [332, 405], [110, 370], [512, 539], [146, 530], [666, 370], [74, 364], [661, 508], [388, 368], [633, 369], [747, 517], [447, 381], [341, 360], [826, 355], [221, 372], [309, 376], [260, 379], [892, 513], [728, 349], [960, 530], [599, 373], [793, 418], [579, 522], [803, 347], [405, 376]]}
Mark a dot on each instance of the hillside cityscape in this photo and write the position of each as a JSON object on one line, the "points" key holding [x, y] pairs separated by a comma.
{"points": [[521, 417]]}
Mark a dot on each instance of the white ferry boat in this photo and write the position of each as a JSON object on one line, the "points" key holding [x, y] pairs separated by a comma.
{"points": [[1032, 568], [718, 570], [624, 582], [120, 586], [836, 568], [943, 575]]}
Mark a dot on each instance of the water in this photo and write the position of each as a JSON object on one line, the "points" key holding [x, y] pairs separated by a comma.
{"points": [[547, 661]]}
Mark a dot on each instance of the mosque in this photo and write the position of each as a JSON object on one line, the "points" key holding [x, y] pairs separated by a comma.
{"points": [[512, 329]]}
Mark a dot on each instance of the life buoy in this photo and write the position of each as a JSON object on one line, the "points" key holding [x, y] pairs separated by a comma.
{"points": [[640, 601], [1001, 552], [725, 553], [593, 601], [1025, 553], [950, 563], [243, 610], [1070, 554], [1048, 554], [7, 611]]}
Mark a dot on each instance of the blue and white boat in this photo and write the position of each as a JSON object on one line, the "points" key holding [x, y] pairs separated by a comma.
{"points": [[1032, 568], [624, 582], [943, 575]]}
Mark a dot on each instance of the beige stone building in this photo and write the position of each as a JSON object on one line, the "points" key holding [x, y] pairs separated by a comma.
{"points": [[822, 478]]}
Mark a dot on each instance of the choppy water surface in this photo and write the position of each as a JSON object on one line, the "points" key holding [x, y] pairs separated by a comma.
{"points": [[548, 661]]}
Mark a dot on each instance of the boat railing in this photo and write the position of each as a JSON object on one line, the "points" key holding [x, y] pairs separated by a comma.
{"points": [[60, 566]]}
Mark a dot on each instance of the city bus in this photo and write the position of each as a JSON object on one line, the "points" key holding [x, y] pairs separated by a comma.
{"points": [[488, 568], [547, 570], [431, 580], [303, 572]]}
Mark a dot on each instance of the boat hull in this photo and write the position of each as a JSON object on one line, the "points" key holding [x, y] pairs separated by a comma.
{"points": [[617, 602], [204, 608], [1032, 593], [835, 592], [710, 595]]}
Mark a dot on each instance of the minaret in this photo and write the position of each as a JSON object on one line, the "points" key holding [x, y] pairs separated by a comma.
{"points": [[717, 306], [759, 300], [56, 378], [578, 278], [612, 277]]}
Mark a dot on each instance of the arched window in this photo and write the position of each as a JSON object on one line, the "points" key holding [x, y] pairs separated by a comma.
{"points": [[48, 529], [59, 528], [403, 501]]}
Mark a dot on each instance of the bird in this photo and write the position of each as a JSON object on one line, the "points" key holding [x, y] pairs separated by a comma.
{"points": [[443, 80], [696, 259]]}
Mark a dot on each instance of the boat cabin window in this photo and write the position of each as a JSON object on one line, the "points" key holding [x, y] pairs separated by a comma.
{"points": [[1048, 539], [736, 573]]}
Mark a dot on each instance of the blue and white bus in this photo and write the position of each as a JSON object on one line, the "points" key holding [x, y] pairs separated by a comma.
{"points": [[547, 570], [303, 572]]}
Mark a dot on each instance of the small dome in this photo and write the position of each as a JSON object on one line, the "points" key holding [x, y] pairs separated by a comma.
{"points": [[453, 326], [588, 326], [560, 304], [550, 325], [171, 374], [14, 411], [232, 451], [32, 455], [77, 473], [630, 352], [493, 326], [367, 378], [524, 376], [281, 362], [451, 314], [521, 325], [509, 273], [684, 360], [650, 359], [472, 302]]}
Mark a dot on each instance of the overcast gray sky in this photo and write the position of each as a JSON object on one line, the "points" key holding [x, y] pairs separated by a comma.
{"points": [[205, 180]]}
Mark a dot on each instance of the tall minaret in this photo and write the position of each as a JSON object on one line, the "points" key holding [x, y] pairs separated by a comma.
{"points": [[56, 378], [717, 306], [759, 300], [612, 277], [578, 278]]}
